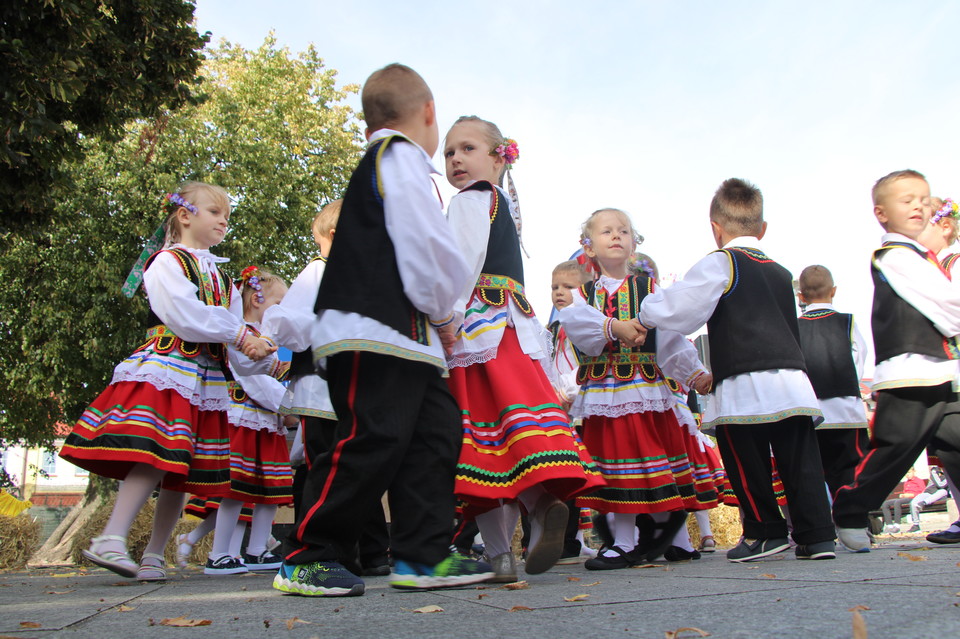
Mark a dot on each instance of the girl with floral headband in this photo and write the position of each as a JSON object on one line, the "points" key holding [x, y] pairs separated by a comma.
{"points": [[627, 401], [162, 420], [518, 445]]}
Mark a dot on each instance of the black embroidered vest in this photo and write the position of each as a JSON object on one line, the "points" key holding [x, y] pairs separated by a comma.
{"points": [[502, 271], [362, 275], [754, 326], [898, 327], [826, 337], [211, 291]]}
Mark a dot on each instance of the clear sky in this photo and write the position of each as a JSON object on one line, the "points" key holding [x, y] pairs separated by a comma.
{"points": [[649, 106]]}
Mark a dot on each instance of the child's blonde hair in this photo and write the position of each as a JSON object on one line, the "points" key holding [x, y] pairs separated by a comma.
{"points": [[880, 186], [571, 266], [326, 219], [188, 192], [491, 134], [936, 204], [587, 227], [815, 283], [737, 207], [257, 281]]}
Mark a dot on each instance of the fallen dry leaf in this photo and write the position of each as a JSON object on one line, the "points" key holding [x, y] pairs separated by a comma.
{"points": [[519, 609], [430, 608], [676, 634], [573, 578], [59, 592], [483, 594], [858, 607], [125, 608], [576, 598], [63, 575], [647, 566], [183, 622], [596, 583], [30, 624], [907, 555], [859, 626], [769, 575], [121, 583], [294, 621], [517, 585]]}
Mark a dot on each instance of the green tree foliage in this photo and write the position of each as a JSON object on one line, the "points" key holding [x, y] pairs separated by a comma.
{"points": [[75, 68], [275, 131]]}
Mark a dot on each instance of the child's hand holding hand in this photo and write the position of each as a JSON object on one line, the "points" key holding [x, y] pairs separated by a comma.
{"points": [[256, 348], [703, 384], [448, 337], [630, 332]]}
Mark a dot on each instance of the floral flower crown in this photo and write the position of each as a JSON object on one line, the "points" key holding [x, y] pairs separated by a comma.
{"points": [[949, 209], [508, 150], [251, 277], [643, 265], [174, 201]]}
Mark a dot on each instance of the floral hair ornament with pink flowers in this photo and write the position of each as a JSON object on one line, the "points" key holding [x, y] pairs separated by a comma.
{"points": [[949, 209], [251, 277], [508, 150]]}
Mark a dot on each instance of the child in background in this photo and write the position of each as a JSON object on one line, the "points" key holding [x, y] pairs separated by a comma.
{"points": [[835, 353], [518, 445], [916, 321], [892, 509], [762, 397], [940, 236], [162, 420], [259, 460], [625, 400], [290, 323], [392, 279], [567, 277]]}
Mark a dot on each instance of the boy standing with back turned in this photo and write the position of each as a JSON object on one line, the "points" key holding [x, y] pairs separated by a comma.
{"points": [[763, 399]]}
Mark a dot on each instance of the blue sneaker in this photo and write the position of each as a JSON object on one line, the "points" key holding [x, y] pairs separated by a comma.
{"points": [[455, 570], [319, 579]]}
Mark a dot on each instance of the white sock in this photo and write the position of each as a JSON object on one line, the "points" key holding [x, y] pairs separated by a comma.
{"points": [[134, 491], [227, 516], [260, 527], [236, 539], [682, 539], [497, 527], [703, 523], [165, 518], [202, 529], [624, 529]]}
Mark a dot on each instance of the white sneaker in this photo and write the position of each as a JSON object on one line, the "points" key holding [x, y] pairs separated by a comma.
{"points": [[854, 539]]}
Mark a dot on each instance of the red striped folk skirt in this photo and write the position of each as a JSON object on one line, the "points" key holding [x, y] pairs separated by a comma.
{"points": [[706, 491], [203, 507], [259, 467], [643, 459], [515, 434], [132, 423]]}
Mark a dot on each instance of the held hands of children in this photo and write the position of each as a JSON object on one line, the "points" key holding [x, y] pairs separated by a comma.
{"points": [[703, 384], [256, 348], [630, 332], [448, 337]]}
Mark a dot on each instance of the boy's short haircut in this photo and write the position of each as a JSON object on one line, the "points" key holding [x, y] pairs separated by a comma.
{"points": [[737, 207], [816, 282], [391, 95], [882, 183], [571, 266], [326, 219]]}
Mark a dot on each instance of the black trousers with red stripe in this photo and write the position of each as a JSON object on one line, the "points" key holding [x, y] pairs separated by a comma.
{"points": [[745, 449], [906, 421], [841, 449], [398, 430]]}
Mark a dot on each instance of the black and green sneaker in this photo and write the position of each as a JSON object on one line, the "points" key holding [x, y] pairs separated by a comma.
{"points": [[455, 570], [319, 579]]}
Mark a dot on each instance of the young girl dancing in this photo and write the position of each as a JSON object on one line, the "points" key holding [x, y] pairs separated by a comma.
{"points": [[627, 405], [162, 420], [259, 462], [518, 444]]}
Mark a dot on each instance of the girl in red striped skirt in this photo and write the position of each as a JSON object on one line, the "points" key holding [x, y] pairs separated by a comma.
{"points": [[518, 445], [626, 400], [162, 420]]}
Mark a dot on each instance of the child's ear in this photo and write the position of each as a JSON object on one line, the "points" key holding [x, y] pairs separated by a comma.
{"points": [[332, 231], [429, 113], [880, 214], [763, 231], [184, 216], [802, 298]]}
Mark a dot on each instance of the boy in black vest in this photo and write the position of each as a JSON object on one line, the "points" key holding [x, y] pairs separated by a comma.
{"points": [[762, 398], [835, 353], [916, 320], [390, 282]]}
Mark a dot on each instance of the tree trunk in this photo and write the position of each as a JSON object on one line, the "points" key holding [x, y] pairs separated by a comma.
{"points": [[55, 551]]}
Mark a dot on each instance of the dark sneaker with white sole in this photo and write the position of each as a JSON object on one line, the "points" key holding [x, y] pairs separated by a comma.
{"points": [[456, 570], [752, 549], [264, 561], [819, 550], [319, 579], [225, 565]]}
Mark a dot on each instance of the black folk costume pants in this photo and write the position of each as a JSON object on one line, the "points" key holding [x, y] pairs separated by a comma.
{"points": [[841, 449], [398, 430], [906, 421], [945, 444], [745, 449]]}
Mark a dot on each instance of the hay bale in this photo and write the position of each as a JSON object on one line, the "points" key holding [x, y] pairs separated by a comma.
{"points": [[725, 522], [19, 539]]}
